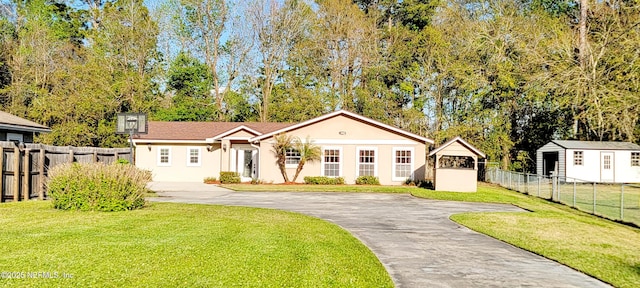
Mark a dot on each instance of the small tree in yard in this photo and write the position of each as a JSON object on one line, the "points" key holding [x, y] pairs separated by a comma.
{"points": [[309, 152], [283, 142]]}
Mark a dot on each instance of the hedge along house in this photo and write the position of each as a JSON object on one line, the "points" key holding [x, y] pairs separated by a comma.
{"points": [[14, 128], [456, 166], [351, 145], [590, 161]]}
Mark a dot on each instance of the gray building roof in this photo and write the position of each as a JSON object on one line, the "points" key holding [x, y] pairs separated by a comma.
{"points": [[13, 122], [596, 145]]}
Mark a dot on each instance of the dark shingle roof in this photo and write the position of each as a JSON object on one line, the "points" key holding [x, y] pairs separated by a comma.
{"points": [[596, 145], [13, 122], [201, 130]]}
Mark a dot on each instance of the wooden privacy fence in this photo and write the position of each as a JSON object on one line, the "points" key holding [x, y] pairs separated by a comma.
{"points": [[25, 166]]}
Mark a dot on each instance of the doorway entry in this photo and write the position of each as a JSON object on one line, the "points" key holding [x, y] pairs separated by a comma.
{"points": [[549, 160], [244, 161], [607, 167]]}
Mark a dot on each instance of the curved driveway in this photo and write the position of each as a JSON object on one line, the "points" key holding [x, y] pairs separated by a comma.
{"points": [[413, 238]]}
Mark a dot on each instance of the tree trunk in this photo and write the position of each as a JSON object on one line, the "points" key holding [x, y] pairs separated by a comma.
{"points": [[283, 171], [582, 45], [298, 169]]}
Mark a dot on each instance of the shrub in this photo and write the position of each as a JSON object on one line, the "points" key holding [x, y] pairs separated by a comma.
{"points": [[427, 184], [97, 186], [367, 180], [210, 180], [122, 161], [228, 177], [323, 180], [256, 181]]}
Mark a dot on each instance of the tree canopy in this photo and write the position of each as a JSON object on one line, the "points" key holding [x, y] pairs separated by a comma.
{"points": [[506, 75]]}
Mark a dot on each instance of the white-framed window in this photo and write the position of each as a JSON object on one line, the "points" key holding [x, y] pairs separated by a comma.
{"points": [[164, 156], [292, 158], [366, 161], [402, 163], [194, 156], [635, 158], [578, 158], [607, 162], [332, 161]]}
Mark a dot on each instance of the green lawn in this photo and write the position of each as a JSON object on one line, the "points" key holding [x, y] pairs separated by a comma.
{"points": [[595, 246], [180, 245], [608, 199]]}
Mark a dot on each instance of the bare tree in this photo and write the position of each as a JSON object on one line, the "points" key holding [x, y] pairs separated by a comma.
{"points": [[277, 27]]}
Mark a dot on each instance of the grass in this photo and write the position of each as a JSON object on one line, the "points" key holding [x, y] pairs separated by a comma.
{"points": [[607, 199], [321, 188], [181, 245], [601, 248]]}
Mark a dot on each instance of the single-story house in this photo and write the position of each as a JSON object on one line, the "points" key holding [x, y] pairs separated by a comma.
{"points": [[14, 128], [590, 161], [351, 145], [456, 166]]}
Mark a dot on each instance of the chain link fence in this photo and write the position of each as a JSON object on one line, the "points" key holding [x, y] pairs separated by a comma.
{"points": [[610, 200]]}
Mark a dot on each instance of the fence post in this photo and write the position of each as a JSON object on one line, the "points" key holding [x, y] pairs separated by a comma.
{"points": [[622, 202], [16, 174], [27, 174], [42, 157], [1, 174], [538, 176], [70, 156], [574, 193], [594, 198], [558, 189], [554, 187]]}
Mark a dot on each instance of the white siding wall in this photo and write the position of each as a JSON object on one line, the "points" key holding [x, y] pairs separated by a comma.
{"points": [[179, 170], [551, 147], [589, 170], [624, 172]]}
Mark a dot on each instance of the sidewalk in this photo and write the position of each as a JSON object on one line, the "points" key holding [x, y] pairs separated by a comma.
{"points": [[189, 190]]}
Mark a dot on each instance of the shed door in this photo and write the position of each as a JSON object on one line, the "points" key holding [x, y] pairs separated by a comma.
{"points": [[606, 167]]}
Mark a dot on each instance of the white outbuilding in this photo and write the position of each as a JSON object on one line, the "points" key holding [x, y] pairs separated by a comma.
{"points": [[590, 161]]}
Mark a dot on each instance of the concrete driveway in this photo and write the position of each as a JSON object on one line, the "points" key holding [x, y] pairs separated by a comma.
{"points": [[413, 238]]}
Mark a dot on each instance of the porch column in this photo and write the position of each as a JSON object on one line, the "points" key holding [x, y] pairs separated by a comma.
{"points": [[225, 155]]}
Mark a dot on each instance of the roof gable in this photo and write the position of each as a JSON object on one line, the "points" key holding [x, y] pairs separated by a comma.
{"points": [[463, 143], [346, 114], [233, 131]]}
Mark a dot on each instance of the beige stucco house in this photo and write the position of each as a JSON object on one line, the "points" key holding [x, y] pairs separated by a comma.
{"points": [[352, 145], [456, 166]]}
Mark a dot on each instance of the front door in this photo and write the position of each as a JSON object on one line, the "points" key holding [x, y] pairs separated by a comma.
{"points": [[606, 167], [244, 160]]}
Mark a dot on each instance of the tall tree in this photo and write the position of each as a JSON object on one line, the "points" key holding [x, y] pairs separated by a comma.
{"points": [[189, 83], [277, 27]]}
